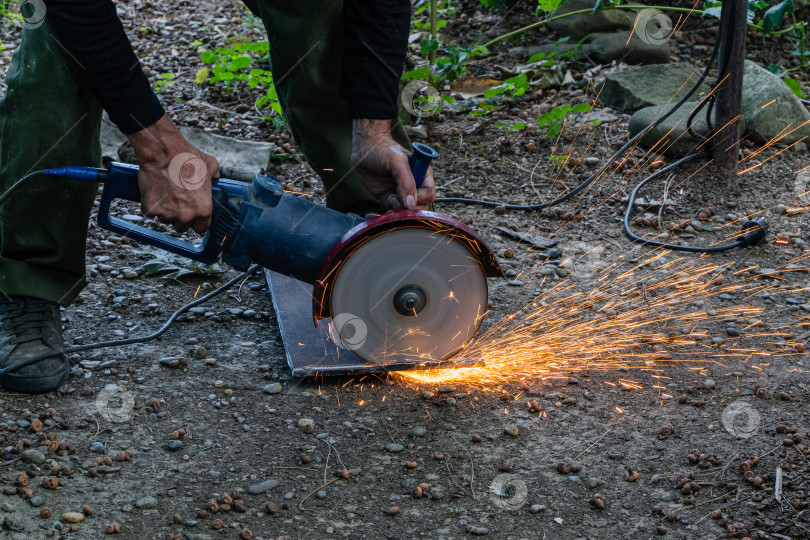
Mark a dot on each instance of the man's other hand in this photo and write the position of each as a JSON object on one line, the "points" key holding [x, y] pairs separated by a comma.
{"points": [[382, 166], [174, 177]]}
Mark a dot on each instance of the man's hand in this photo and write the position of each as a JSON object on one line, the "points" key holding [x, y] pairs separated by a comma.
{"points": [[382, 166], [174, 177]]}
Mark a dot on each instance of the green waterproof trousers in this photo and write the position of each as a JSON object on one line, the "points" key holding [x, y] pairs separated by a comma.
{"points": [[49, 118]]}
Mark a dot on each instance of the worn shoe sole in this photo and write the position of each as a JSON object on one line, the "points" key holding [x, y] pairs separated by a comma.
{"points": [[14, 382]]}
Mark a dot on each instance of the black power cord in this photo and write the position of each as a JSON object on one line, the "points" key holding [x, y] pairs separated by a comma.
{"points": [[753, 231], [139, 339]]}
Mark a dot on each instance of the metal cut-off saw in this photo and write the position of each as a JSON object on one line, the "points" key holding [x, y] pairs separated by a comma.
{"points": [[391, 291]]}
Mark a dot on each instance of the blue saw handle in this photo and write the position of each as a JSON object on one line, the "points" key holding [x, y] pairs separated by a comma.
{"points": [[122, 183], [419, 162]]}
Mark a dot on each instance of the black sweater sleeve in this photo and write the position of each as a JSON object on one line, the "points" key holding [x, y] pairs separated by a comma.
{"points": [[92, 35], [376, 42]]}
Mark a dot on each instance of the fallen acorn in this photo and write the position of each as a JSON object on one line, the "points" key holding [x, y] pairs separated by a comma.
{"points": [[247, 534], [411, 464], [179, 434], [36, 425], [345, 474], [226, 498], [761, 392], [87, 510], [202, 514], [122, 456], [505, 466], [633, 476], [512, 431], [45, 512], [213, 506], [178, 519], [114, 528], [239, 506], [217, 524], [225, 507], [417, 493], [394, 510], [661, 530], [22, 480], [108, 461], [667, 430], [476, 438], [439, 456], [271, 508], [598, 502]]}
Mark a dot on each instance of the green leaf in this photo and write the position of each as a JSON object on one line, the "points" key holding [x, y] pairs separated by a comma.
{"points": [[519, 126], [582, 107], [775, 15], [427, 46], [448, 99], [494, 91], [240, 62], [209, 57], [418, 74], [793, 84]]}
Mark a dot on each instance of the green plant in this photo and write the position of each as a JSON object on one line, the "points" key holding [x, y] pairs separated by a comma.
{"points": [[793, 84], [515, 86], [238, 63], [164, 81], [554, 120], [510, 127]]}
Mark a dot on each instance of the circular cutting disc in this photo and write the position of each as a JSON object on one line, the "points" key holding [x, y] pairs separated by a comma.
{"points": [[391, 266]]}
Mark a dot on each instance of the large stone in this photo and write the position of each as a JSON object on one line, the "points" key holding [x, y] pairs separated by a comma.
{"points": [[645, 86], [622, 47], [238, 159], [672, 131], [769, 107], [578, 26]]}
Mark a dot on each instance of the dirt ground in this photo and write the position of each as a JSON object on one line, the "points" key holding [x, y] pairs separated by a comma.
{"points": [[687, 441]]}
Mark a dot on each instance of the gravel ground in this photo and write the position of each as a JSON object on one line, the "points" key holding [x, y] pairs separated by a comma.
{"points": [[204, 434]]}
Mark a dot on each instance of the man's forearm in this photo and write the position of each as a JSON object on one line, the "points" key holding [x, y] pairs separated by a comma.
{"points": [[93, 38]]}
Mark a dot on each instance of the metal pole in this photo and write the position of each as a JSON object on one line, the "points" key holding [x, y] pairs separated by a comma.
{"points": [[728, 104]]}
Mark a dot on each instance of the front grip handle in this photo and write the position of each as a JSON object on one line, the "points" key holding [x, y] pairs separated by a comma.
{"points": [[122, 183]]}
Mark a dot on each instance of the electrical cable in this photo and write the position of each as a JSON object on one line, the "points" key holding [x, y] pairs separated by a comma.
{"points": [[752, 232], [603, 168], [139, 339]]}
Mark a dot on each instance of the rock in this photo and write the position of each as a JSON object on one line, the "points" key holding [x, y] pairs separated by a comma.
{"points": [[75, 517], [146, 502], [97, 447], [677, 140], [446, 389], [709, 384], [605, 48], [784, 110], [263, 487], [7, 507], [512, 431], [238, 159], [272, 388], [37, 501], [394, 447], [645, 86], [515, 283], [33, 456], [579, 26], [477, 531], [174, 446], [537, 508], [417, 431], [593, 482], [307, 424]]}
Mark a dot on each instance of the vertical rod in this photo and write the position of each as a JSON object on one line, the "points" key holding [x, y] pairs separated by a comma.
{"points": [[728, 106]]}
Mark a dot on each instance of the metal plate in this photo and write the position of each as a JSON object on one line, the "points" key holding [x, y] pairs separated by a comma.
{"points": [[310, 351]]}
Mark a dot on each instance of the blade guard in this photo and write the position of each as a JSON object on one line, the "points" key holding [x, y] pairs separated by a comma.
{"points": [[340, 252]]}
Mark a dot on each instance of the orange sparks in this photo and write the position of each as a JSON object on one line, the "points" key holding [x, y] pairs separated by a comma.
{"points": [[197, 291]]}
